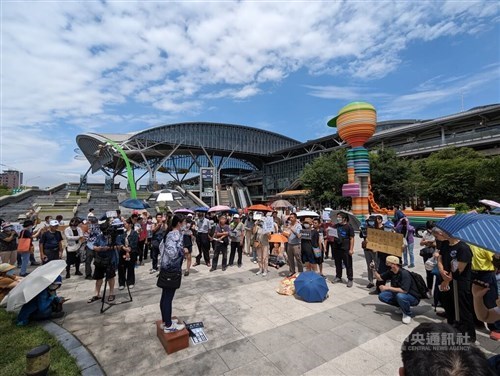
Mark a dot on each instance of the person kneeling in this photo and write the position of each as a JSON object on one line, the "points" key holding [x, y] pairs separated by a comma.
{"points": [[403, 291], [46, 305]]}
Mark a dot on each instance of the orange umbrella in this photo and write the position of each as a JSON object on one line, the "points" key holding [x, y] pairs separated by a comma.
{"points": [[278, 238], [260, 207]]}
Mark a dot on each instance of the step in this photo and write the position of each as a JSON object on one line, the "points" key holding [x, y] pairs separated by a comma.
{"points": [[172, 342]]}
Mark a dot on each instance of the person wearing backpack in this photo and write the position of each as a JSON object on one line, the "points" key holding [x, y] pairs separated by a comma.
{"points": [[403, 291]]}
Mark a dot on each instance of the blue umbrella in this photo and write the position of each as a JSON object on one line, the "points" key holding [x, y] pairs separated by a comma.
{"points": [[200, 209], [482, 230], [134, 203], [233, 211], [311, 287]]}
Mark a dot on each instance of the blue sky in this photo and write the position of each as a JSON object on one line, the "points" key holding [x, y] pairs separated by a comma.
{"points": [[75, 67]]}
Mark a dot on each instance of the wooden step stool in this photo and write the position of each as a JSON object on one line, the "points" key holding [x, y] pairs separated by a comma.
{"points": [[172, 342]]}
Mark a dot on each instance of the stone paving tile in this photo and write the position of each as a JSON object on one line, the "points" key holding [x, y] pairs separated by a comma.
{"points": [[356, 362], [295, 359], [328, 345], [239, 353], [260, 367], [326, 369], [354, 332]]}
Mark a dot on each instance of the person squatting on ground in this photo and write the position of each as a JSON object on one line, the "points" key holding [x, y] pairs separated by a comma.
{"points": [[407, 230], [106, 258], [128, 255], [292, 231], [171, 257], [438, 349], [343, 248], [51, 241], [236, 236], [75, 240], [403, 292], [202, 240], [8, 280], [187, 240], [221, 241], [46, 305]]}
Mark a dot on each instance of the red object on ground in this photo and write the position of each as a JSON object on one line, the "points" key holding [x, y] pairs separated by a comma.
{"points": [[172, 342]]}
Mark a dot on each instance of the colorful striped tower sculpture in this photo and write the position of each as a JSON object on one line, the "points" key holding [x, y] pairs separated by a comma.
{"points": [[356, 123]]}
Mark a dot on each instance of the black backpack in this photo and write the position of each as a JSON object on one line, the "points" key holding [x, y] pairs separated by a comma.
{"points": [[420, 285]]}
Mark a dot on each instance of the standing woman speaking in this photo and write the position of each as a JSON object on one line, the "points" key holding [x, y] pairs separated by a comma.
{"points": [[169, 278]]}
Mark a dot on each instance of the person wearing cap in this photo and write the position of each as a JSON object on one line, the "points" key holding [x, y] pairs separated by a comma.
{"points": [[51, 243], [236, 237], [7, 279], [24, 254], [402, 292], [8, 244], [46, 305]]}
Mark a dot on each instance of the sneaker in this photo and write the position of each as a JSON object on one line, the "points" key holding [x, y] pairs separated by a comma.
{"points": [[405, 264], [406, 319], [212, 269], [78, 273], [374, 292], [186, 273], [398, 311], [411, 266], [370, 285], [153, 271], [131, 286], [495, 336], [173, 328], [259, 272], [264, 274], [255, 261], [349, 283], [337, 280], [88, 277], [121, 287], [174, 321]]}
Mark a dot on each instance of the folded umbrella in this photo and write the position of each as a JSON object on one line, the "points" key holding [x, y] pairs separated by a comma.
{"points": [[311, 287], [482, 230], [34, 283]]}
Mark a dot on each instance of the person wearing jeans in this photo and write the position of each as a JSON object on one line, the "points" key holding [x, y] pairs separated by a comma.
{"points": [[236, 237], [402, 292], [405, 228], [293, 250]]}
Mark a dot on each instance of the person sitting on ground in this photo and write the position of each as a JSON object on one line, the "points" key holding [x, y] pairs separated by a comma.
{"points": [[46, 305], [277, 258], [7, 279], [403, 292], [438, 349]]}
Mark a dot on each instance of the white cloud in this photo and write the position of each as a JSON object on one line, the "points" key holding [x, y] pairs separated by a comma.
{"points": [[72, 62]]}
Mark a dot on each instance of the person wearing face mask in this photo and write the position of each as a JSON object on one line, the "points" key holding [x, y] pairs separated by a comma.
{"points": [[46, 305], [343, 248], [7, 279], [75, 240], [405, 228], [306, 245]]}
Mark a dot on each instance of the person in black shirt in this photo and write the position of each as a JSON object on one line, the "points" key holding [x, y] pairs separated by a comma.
{"points": [[403, 291], [343, 248], [454, 265]]}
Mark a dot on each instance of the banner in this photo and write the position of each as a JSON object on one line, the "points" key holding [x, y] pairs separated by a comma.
{"points": [[383, 241]]}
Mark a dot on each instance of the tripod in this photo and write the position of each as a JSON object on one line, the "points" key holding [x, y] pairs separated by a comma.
{"points": [[109, 304]]}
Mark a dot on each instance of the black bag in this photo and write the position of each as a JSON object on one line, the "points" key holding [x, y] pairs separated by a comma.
{"points": [[420, 285], [101, 261], [169, 280], [427, 251]]}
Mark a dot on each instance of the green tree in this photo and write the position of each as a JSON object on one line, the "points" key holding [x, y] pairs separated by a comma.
{"points": [[324, 178], [450, 176], [390, 178]]}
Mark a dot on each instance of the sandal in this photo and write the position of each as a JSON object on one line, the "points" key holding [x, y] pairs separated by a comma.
{"points": [[111, 298], [93, 299]]}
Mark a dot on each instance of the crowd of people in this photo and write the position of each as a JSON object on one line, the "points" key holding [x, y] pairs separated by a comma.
{"points": [[119, 245]]}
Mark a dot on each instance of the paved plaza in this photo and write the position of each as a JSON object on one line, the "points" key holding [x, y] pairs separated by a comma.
{"points": [[252, 330]]}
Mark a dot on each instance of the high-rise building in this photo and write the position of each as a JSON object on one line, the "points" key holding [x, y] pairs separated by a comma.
{"points": [[11, 178]]}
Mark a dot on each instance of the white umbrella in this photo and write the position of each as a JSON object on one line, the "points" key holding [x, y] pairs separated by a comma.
{"points": [[307, 213], [490, 203], [34, 283]]}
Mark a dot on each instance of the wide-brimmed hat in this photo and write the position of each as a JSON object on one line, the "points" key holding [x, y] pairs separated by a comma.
{"points": [[392, 260], [5, 267]]}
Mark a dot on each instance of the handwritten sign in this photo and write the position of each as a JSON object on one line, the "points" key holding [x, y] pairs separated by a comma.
{"points": [[268, 225], [386, 242]]}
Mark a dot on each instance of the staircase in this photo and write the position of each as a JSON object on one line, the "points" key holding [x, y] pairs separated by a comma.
{"points": [[101, 202]]}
